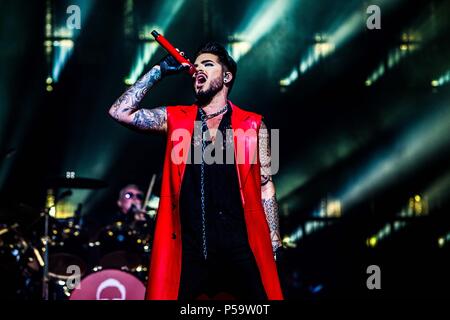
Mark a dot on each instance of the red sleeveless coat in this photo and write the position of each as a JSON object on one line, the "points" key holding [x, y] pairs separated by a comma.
{"points": [[165, 267]]}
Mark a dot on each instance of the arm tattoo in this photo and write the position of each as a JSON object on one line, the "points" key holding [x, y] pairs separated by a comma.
{"points": [[126, 108], [146, 119], [265, 180], [264, 154], [269, 200], [271, 210]]}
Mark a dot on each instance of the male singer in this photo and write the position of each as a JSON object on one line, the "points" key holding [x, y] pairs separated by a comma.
{"points": [[217, 224]]}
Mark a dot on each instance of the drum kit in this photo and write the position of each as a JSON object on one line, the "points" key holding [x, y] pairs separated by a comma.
{"points": [[57, 259]]}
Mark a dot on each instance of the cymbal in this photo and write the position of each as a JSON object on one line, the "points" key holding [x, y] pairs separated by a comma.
{"points": [[76, 183]]}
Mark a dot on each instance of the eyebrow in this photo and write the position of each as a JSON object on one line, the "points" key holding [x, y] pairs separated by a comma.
{"points": [[204, 61]]}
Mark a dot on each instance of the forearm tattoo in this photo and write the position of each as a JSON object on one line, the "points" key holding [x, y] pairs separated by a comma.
{"points": [[264, 154], [269, 201], [271, 210], [126, 108], [265, 180]]}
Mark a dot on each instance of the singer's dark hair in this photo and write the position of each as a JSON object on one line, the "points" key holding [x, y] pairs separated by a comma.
{"points": [[225, 59]]}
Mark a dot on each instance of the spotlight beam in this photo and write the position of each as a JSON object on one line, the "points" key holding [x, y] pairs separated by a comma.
{"points": [[147, 49], [262, 20]]}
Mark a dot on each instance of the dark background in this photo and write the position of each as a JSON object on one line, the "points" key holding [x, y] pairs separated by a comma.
{"points": [[369, 145]]}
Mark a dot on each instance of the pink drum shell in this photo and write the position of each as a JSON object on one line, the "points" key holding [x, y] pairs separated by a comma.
{"points": [[109, 284]]}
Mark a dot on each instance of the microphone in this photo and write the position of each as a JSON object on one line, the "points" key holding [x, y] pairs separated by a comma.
{"points": [[172, 51]]}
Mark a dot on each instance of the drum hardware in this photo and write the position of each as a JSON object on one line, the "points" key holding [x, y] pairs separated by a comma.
{"points": [[50, 210], [20, 262], [53, 250], [75, 183]]}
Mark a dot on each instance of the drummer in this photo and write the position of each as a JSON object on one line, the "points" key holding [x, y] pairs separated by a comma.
{"points": [[130, 204]]}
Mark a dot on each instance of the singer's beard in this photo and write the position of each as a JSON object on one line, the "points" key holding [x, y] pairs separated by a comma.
{"points": [[204, 97]]}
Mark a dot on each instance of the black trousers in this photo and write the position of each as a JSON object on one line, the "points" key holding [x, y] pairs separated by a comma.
{"points": [[233, 271]]}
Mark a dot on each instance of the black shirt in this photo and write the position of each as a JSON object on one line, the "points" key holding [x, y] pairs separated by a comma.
{"points": [[225, 224]]}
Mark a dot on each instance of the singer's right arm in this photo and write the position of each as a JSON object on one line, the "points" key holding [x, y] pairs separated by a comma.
{"points": [[126, 109]]}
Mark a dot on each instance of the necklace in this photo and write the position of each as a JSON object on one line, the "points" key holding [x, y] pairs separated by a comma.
{"points": [[215, 114]]}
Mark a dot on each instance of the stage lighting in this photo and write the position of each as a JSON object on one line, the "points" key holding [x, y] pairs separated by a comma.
{"points": [[237, 47], [377, 74], [263, 17], [441, 80], [426, 137], [290, 79], [326, 43], [59, 38], [144, 54], [147, 48], [334, 209], [417, 206], [294, 237], [372, 242], [337, 35], [323, 47], [442, 241], [288, 242], [398, 225]]}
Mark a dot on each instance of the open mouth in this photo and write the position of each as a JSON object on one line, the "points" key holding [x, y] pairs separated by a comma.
{"points": [[200, 79]]}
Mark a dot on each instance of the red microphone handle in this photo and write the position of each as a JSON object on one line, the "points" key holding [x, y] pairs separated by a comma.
{"points": [[172, 51]]}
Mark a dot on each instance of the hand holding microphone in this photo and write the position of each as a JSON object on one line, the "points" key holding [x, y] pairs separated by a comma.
{"points": [[175, 61], [170, 66]]}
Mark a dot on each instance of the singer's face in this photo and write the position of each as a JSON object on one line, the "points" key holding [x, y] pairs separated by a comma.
{"points": [[130, 196], [208, 80]]}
